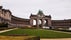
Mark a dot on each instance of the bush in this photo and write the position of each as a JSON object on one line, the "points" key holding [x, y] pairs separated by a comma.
{"points": [[65, 30], [3, 24], [26, 27]]}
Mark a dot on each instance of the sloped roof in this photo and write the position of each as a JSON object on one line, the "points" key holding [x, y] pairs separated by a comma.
{"points": [[18, 18]]}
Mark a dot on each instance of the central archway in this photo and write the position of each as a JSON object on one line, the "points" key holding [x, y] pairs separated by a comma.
{"points": [[41, 20]]}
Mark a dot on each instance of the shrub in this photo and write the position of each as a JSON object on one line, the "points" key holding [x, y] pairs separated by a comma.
{"points": [[28, 27], [3, 24]]}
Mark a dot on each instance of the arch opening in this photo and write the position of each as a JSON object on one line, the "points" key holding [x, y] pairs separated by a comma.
{"points": [[34, 22]]}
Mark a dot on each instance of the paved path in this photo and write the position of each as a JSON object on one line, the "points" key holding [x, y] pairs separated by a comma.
{"points": [[62, 32], [7, 30], [58, 39], [58, 31]]}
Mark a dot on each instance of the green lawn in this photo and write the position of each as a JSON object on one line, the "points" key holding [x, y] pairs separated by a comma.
{"points": [[38, 32]]}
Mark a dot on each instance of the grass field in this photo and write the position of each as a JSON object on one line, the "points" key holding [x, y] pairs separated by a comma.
{"points": [[39, 32]]}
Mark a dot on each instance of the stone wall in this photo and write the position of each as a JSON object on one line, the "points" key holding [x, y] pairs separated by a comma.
{"points": [[61, 23], [21, 22]]}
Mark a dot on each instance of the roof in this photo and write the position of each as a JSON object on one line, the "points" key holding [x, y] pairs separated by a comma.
{"points": [[33, 16], [48, 16], [6, 10], [20, 19]]}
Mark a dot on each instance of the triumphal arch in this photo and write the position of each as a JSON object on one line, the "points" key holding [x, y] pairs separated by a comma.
{"points": [[40, 16]]}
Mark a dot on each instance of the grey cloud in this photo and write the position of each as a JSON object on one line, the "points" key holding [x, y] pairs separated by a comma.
{"points": [[59, 9]]}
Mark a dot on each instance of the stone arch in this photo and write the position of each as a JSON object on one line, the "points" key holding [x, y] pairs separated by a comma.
{"points": [[34, 22], [45, 22], [40, 19], [40, 22]]}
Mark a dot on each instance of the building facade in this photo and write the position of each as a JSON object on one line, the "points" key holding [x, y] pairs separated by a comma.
{"points": [[5, 16], [40, 16], [13, 21]]}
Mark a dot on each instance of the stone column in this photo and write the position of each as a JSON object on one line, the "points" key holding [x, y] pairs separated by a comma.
{"points": [[37, 23], [49, 22], [46, 22], [31, 22], [0, 20], [42, 21]]}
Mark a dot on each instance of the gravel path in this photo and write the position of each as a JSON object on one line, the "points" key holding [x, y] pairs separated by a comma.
{"points": [[58, 39], [58, 31]]}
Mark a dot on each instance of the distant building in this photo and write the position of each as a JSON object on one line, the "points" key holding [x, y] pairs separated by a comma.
{"points": [[5, 15], [13, 21]]}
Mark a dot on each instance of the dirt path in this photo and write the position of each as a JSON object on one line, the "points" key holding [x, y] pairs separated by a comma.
{"points": [[7, 30], [58, 39]]}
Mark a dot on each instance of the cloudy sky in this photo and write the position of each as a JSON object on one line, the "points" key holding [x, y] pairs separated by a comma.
{"points": [[58, 9]]}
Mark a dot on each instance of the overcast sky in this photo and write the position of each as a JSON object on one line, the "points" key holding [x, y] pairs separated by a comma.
{"points": [[58, 9]]}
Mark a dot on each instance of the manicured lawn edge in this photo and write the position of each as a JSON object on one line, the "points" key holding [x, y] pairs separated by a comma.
{"points": [[38, 32]]}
